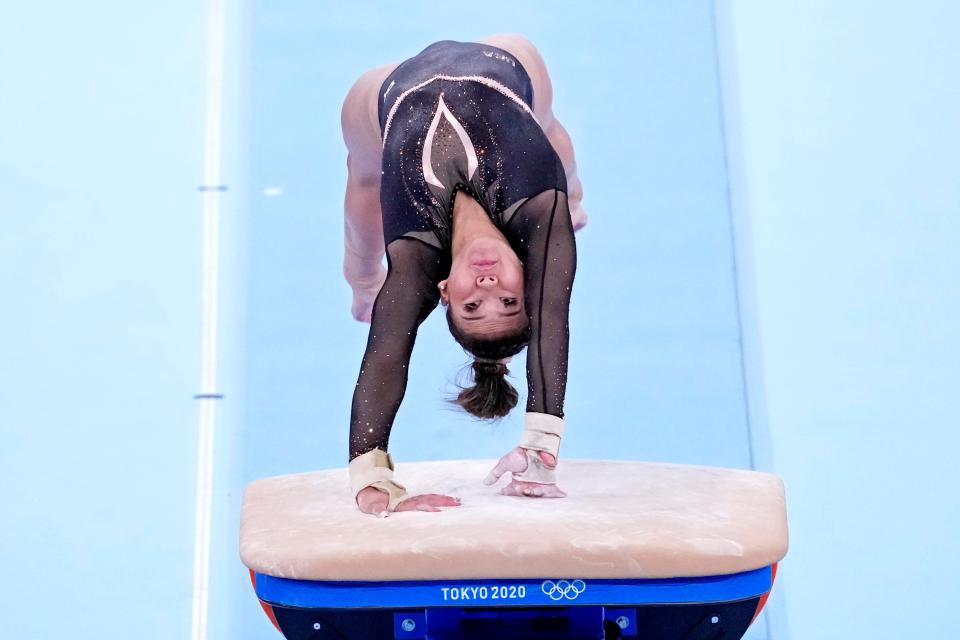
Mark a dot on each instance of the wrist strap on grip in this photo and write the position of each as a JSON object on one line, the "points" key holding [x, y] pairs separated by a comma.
{"points": [[542, 432], [375, 469]]}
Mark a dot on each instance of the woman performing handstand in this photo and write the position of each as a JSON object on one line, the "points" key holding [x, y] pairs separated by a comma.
{"points": [[459, 171]]}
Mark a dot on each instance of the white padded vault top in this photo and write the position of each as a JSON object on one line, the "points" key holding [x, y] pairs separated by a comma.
{"points": [[620, 520]]}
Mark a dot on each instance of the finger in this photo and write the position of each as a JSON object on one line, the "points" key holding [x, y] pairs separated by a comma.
{"points": [[511, 490], [441, 500], [515, 461], [415, 504], [436, 500], [495, 473], [411, 504], [553, 491], [533, 490], [431, 499], [406, 505], [514, 488]]}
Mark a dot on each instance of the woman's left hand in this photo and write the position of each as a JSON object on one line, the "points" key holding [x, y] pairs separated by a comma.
{"points": [[515, 461]]}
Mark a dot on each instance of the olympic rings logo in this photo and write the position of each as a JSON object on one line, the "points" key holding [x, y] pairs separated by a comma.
{"points": [[563, 589]]}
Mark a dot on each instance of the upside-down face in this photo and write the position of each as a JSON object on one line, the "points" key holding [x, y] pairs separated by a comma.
{"points": [[485, 289]]}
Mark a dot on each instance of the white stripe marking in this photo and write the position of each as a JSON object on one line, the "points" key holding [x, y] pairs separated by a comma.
{"points": [[210, 303]]}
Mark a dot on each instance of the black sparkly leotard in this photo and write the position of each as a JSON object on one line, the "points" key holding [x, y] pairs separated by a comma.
{"points": [[459, 116]]}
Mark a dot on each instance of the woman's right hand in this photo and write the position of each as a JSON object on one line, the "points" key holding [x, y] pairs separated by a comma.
{"points": [[515, 461], [374, 501]]}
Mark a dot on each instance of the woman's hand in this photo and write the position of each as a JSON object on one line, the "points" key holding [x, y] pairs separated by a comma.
{"points": [[374, 501], [515, 461]]}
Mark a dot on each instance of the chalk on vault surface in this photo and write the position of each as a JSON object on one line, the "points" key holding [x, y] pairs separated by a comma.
{"points": [[620, 519]]}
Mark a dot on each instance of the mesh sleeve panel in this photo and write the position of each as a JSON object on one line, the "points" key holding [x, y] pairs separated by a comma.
{"points": [[407, 297], [542, 235]]}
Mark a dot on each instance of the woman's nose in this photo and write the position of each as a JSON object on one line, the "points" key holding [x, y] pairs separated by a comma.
{"points": [[487, 281]]}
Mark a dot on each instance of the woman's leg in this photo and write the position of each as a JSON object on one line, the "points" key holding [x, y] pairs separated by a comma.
{"points": [[363, 227]]}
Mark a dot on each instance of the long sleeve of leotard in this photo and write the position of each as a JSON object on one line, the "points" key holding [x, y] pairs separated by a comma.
{"points": [[542, 235], [407, 297]]}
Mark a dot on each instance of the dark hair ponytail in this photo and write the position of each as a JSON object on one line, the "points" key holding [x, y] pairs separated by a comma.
{"points": [[491, 396]]}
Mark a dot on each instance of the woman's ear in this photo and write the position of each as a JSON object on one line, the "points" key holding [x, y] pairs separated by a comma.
{"points": [[444, 296]]}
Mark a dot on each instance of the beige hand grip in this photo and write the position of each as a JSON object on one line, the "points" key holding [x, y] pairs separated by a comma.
{"points": [[536, 470], [375, 469], [542, 432]]}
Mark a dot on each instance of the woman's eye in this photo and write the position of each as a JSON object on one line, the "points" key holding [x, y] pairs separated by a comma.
{"points": [[507, 302], [471, 306]]}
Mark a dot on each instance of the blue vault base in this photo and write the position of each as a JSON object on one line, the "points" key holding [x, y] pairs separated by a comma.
{"points": [[703, 608]]}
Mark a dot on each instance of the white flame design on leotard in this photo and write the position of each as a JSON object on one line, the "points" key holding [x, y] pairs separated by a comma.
{"points": [[444, 112]]}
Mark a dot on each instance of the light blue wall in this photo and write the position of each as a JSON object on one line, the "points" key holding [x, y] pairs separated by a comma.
{"points": [[100, 139], [850, 125]]}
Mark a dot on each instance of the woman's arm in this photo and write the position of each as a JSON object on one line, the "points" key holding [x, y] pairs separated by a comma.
{"points": [[541, 232], [363, 227], [408, 296]]}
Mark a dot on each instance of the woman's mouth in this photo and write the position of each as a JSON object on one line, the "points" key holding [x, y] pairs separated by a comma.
{"points": [[484, 267]]}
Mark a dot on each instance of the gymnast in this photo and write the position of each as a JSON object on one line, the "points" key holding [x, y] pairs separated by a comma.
{"points": [[460, 173]]}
